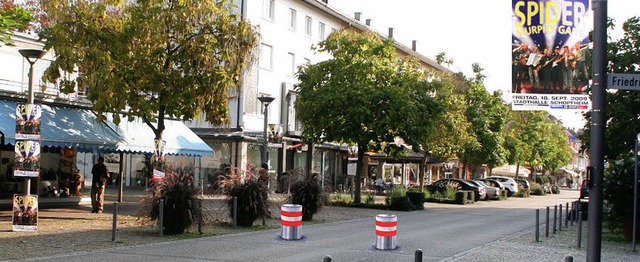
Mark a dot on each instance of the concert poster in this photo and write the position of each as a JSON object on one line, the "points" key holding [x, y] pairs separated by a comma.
{"points": [[25, 212], [551, 57], [27, 158], [28, 117]]}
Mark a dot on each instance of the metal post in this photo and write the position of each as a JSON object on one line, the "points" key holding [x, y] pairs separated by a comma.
{"points": [[326, 258], [115, 221], [566, 219], [555, 218], [161, 217], [537, 225], [635, 194], [573, 212], [568, 259], [235, 211], [580, 230], [418, 257], [200, 217], [546, 233], [598, 125], [560, 218]]}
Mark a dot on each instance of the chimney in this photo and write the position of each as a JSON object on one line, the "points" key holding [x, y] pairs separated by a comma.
{"points": [[413, 45], [390, 32], [357, 15], [368, 22]]}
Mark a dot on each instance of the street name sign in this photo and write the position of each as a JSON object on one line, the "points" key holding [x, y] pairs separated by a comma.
{"points": [[624, 81]]}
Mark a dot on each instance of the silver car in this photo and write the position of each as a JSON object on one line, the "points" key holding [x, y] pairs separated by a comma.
{"points": [[492, 192]]}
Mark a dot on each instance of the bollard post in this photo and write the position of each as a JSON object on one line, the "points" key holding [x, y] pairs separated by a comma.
{"points": [[326, 258], [580, 229], [161, 217], [418, 257], [573, 212], [546, 233], [200, 217], [537, 225], [386, 232], [201, 188], [566, 219], [568, 259], [555, 218], [579, 208], [291, 221], [560, 218], [115, 221], [235, 211]]}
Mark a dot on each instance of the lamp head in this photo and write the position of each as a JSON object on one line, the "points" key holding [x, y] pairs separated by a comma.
{"points": [[266, 100], [34, 54]]}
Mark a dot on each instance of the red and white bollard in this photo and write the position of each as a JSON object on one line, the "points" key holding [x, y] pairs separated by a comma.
{"points": [[386, 232], [291, 221]]}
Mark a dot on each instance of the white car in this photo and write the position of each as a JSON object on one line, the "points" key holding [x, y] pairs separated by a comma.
{"points": [[509, 183]]}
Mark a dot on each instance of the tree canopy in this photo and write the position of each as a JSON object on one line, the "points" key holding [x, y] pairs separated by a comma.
{"points": [[622, 111], [149, 58], [365, 95], [12, 18]]}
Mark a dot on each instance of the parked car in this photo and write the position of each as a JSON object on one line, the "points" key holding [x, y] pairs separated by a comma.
{"points": [[493, 183], [509, 183], [584, 189], [492, 192], [524, 183], [460, 184]]}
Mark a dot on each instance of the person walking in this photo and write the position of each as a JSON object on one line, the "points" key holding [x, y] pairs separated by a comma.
{"points": [[100, 175]]}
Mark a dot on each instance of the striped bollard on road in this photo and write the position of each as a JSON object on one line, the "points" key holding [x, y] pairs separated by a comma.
{"points": [[386, 232], [291, 221]]}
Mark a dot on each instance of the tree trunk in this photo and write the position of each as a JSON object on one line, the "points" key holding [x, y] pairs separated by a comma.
{"points": [[361, 150]]}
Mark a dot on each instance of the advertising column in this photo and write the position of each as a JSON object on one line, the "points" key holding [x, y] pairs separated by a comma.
{"points": [[27, 157], [550, 51]]}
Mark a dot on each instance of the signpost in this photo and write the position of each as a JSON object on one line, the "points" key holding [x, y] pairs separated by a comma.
{"points": [[624, 81]]}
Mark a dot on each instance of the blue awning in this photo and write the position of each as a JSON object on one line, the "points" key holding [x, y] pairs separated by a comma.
{"points": [[180, 140], [78, 128], [63, 127]]}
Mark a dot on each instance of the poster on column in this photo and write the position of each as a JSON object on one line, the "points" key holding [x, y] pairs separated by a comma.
{"points": [[28, 118], [25, 212], [550, 54], [27, 157], [158, 169]]}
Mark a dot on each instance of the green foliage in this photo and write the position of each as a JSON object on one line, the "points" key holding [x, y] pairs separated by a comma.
{"points": [[400, 203], [340, 198], [522, 192], [537, 189], [366, 94], [464, 197], [252, 200], [417, 199], [621, 116], [398, 191], [370, 200], [182, 208], [618, 192], [308, 194], [427, 194], [555, 190], [12, 18], [149, 58]]}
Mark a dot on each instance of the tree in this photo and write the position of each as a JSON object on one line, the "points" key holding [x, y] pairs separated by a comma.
{"points": [[622, 111], [149, 58], [487, 114], [12, 18], [364, 94]]}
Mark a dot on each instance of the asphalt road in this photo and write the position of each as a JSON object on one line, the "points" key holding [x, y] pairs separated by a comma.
{"points": [[441, 231]]}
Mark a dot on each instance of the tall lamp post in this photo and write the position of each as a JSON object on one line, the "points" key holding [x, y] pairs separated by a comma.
{"points": [[265, 100], [32, 55]]}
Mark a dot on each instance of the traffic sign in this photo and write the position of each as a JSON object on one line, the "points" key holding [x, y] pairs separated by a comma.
{"points": [[624, 81]]}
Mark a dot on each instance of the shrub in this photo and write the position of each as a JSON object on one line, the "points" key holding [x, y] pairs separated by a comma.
{"points": [[536, 189], [340, 198], [370, 200], [181, 209], [308, 194], [398, 200], [252, 201], [555, 189], [618, 194], [427, 194], [417, 199]]}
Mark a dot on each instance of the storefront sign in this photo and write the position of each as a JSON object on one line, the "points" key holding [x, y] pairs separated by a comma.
{"points": [[25, 212], [28, 118], [549, 51], [27, 158]]}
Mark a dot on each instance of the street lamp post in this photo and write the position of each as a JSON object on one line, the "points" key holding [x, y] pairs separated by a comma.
{"points": [[265, 100], [32, 55]]}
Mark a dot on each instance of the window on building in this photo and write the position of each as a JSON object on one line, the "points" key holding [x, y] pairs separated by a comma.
{"points": [[307, 25], [266, 53], [292, 19], [321, 31], [268, 9], [291, 58]]}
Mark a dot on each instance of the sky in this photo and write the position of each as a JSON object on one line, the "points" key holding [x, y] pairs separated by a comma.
{"points": [[468, 31]]}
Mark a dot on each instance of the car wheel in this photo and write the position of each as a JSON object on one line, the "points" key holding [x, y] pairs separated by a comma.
{"points": [[509, 193]]}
